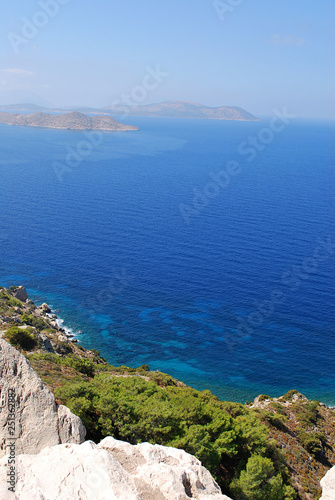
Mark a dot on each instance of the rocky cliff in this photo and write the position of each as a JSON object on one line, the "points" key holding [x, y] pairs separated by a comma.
{"points": [[39, 421]]}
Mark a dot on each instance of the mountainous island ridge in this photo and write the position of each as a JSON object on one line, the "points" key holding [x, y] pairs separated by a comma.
{"points": [[168, 109], [68, 121]]}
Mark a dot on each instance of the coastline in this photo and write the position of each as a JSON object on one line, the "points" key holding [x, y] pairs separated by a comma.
{"points": [[73, 335], [70, 322], [86, 384]]}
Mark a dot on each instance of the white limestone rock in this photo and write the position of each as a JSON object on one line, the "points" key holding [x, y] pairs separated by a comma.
{"points": [[112, 470], [44, 308], [39, 420], [328, 485], [164, 473]]}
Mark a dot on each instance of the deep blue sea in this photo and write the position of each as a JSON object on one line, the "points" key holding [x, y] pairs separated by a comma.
{"points": [[227, 285]]}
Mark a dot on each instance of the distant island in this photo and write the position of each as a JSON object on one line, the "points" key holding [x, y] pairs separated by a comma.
{"points": [[67, 121], [166, 109], [182, 109]]}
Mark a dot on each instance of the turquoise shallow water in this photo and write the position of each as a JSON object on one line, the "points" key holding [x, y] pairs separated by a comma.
{"points": [[237, 299]]}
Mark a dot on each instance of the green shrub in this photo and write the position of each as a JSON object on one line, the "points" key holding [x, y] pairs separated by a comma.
{"points": [[264, 397], [9, 299], [308, 413], [50, 330], [81, 365], [143, 368], [41, 356], [19, 337], [289, 395], [260, 482], [162, 379], [274, 419], [312, 442], [84, 366], [95, 352], [38, 323], [278, 408]]}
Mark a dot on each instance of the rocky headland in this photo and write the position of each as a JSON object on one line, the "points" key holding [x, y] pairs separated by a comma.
{"points": [[67, 121], [277, 447]]}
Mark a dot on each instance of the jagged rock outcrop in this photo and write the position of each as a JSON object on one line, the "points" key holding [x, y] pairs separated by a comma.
{"points": [[39, 420], [112, 470], [328, 485], [21, 293], [44, 308]]}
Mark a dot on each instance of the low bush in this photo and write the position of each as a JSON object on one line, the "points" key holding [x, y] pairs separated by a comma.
{"points": [[312, 442], [264, 397], [277, 407], [95, 352], [308, 413], [9, 300], [38, 323], [289, 395], [274, 419], [19, 337], [82, 365]]}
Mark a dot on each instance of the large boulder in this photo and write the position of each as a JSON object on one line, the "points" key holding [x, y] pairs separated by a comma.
{"points": [[43, 309], [328, 485], [20, 293], [39, 420], [112, 470]]}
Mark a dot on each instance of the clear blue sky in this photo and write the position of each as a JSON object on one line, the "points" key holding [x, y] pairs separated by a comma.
{"points": [[263, 53]]}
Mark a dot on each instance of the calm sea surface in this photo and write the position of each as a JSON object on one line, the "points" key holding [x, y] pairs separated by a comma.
{"points": [[228, 287]]}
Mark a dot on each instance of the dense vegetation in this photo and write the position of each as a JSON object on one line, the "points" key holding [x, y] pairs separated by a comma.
{"points": [[139, 405]]}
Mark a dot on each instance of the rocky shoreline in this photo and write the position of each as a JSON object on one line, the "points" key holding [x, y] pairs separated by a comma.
{"points": [[49, 457], [54, 337], [303, 430]]}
